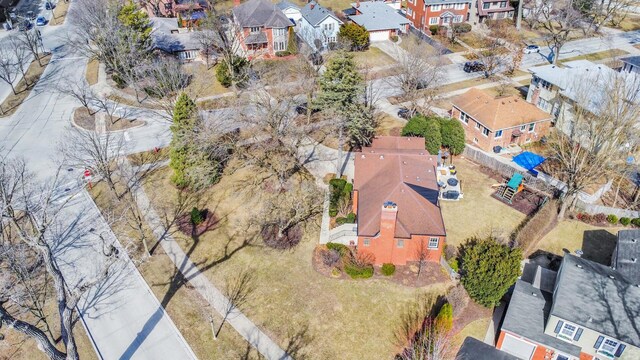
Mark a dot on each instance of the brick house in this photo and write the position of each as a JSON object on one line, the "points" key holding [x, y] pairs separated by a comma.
{"points": [[171, 8], [396, 201], [263, 29], [585, 311], [494, 10], [425, 13], [499, 121]]}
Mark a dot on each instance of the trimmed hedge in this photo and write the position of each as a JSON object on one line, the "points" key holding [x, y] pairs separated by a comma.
{"points": [[357, 272], [612, 219], [343, 250], [625, 221], [388, 269], [636, 222]]}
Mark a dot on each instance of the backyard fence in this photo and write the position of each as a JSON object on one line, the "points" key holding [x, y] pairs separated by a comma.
{"points": [[507, 170], [599, 209]]}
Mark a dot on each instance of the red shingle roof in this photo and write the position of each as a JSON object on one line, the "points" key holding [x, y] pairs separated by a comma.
{"points": [[400, 170]]}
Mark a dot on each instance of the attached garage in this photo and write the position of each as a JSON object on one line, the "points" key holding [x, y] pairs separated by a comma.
{"points": [[517, 347], [379, 35]]}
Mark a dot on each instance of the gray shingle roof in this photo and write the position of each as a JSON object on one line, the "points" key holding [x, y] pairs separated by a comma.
{"points": [[633, 60], [599, 298], [257, 38], [527, 314], [255, 13], [165, 40], [626, 258], [474, 349], [284, 5], [376, 15], [314, 13]]}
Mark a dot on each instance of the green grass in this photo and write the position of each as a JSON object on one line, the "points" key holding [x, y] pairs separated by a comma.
{"points": [[601, 55], [477, 213]]}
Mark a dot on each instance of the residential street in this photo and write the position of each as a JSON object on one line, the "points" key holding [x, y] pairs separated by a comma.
{"points": [[123, 317]]}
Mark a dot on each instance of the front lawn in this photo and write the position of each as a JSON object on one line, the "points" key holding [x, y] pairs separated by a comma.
{"points": [[477, 213], [331, 318], [372, 57], [474, 40], [601, 55], [12, 102]]}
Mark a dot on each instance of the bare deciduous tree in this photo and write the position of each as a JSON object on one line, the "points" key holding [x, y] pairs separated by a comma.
{"points": [[494, 57], [238, 291], [31, 40], [8, 69], [22, 57], [558, 19]]}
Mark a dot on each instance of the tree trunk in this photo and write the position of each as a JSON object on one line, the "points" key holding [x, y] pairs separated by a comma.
{"points": [[615, 198], [33, 332], [568, 200], [340, 145]]}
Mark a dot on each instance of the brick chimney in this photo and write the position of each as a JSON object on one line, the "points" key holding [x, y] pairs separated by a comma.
{"points": [[312, 5], [236, 3], [388, 219]]}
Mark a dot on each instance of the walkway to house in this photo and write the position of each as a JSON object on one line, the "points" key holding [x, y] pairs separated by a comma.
{"points": [[245, 327]]}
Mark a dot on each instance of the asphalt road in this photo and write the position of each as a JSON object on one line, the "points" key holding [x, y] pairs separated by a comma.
{"points": [[123, 317]]}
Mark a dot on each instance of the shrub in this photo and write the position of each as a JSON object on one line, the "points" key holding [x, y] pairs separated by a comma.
{"points": [[357, 272], [450, 252], [488, 269], [336, 191], [454, 265], [394, 38], [452, 134], [197, 217], [343, 250], [340, 220], [433, 29], [536, 226], [292, 44], [444, 320], [612, 219], [330, 257], [282, 53], [427, 127], [584, 217], [458, 298], [599, 218], [636, 222], [388, 269], [462, 28], [356, 35], [625, 221], [223, 73], [351, 218]]}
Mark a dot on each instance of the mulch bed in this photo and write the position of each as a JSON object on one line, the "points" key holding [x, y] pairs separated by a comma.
{"points": [[526, 201], [406, 275], [186, 226], [471, 313]]}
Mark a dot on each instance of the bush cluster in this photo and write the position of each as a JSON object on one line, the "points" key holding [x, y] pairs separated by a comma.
{"points": [[437, 132], [358, 272], [349, 219], [625, 221], [339, 189], [434, 29], [283, 53], [454, 264], [197, 216], [394, 38], [612, 219], [388, 269], [343, 250], [636, 222], [330, 257], [599, 218]]}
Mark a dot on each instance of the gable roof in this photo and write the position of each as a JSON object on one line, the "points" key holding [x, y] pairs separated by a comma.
{"points": [[527, 314], [632, 60], [284, 5], [498, 112], [599, 298], [315, 13], [166, 36], [376, 15], [254, 13], [626, 257], [474, 349], [400, 170]]}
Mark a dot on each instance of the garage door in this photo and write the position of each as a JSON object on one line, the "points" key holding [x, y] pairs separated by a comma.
{"points": [[379, 35], [517, 347]]}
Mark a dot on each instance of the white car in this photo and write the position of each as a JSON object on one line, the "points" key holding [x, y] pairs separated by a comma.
{"points": [[531, 49]]}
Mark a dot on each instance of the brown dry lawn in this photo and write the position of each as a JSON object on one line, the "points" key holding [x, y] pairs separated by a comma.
{"points": [[389, 126], [372, 57], [13, 101], [597, 243], [464, 84], [474, 40], [92, 71], [60, 12], [185, 306], [597, 56], [477, 213], [87, 121], [16, 346], [332, 318], [203, 82]]}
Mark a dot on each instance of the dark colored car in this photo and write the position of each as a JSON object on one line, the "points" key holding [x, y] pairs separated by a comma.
{"points": [[25, 25], [49, 6], [302, 109], [31, 15], [316, 59], [404, 113], [473, 66]]}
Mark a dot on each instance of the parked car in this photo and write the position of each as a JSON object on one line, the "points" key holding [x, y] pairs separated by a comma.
{"points": [[25, 25], [406, 113], [49, 6], [302, 109], [41, 21], [531, 49], [31, 15], [473, 66]]}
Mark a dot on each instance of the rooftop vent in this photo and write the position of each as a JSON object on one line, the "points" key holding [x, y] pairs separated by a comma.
{"points": [[362, 156], [381, 157], [579, 266], [534, 294], [634, 259], [611, 277]]}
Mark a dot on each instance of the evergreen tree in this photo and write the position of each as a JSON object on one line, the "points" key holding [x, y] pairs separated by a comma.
{"points": [[489, 269], [452, 135], [133, 17], [184, 124], [360, 126], [356, 35], [292, 45], [444, 320], [427, 127]]}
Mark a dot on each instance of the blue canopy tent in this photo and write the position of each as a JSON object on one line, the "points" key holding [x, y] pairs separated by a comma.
{"points": [[529, 161]]}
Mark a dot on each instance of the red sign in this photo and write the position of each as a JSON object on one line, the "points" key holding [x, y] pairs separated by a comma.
{"points": [[87, 173]]}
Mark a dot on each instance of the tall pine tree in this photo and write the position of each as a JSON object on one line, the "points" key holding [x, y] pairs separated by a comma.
{"points": [[183, 129]]}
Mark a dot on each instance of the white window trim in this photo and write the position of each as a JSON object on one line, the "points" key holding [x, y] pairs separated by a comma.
{"points": [[487, 132], [459, 6], [434, 21], [532, 127], [606, 353], [500, 132], [436, 7], [567, 337], [437, 241], [523, 127]]}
